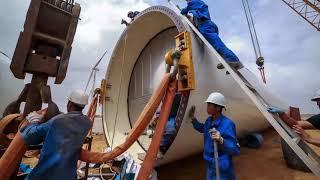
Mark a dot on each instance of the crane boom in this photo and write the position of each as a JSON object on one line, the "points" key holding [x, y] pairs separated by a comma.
{"points": [[307, 9]]}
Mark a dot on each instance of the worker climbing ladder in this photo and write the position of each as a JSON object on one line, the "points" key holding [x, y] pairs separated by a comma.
{"points": [[304, 152]]}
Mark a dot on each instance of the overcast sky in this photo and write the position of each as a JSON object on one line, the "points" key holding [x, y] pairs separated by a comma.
{"points": [[289, 45]]}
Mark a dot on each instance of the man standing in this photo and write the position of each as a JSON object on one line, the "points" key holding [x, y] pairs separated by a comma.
{"points": [[210, 31], [62, 137], [224, 135]]}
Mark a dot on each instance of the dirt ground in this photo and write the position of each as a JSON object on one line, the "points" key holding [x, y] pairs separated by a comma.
{"points": [[262, 164]]}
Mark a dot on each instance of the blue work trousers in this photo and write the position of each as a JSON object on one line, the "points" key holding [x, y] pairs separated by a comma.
{"points": [[210, 31]]}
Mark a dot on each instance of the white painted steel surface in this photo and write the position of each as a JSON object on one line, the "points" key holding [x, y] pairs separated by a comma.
{"points": [[133, 43]]}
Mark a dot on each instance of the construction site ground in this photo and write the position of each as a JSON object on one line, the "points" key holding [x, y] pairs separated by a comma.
{"points": [[259, 164]]}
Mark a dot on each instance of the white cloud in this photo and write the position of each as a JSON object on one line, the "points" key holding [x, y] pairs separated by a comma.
{"points": [[104, 17], [240, 45], [288, 43]]}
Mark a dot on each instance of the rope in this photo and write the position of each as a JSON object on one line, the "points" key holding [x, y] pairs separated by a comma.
{"points": [[116, 118]]}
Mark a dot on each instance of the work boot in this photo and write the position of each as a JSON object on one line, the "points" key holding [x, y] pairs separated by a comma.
{"points": [[220, 66], [235, 65]]}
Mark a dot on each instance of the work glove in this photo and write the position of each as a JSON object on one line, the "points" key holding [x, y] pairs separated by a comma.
{"points": [[275, 110], [34, 117], [191, 112], [216, 136]]}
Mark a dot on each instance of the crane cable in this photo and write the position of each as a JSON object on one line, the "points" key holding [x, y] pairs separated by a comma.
{"points": [[254, 39]]}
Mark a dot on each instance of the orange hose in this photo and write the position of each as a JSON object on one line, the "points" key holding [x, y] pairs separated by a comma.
{"points": [[11, 158], [4, 140], [155, 144], [91, 107], [92, 111], [138, 128]]}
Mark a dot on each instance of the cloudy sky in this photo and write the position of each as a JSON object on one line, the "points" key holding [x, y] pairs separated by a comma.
{"points": [[289, 45]]}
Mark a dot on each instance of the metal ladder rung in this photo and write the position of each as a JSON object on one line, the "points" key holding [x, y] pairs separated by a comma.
{"points": [[250, 87], [244, 80]]}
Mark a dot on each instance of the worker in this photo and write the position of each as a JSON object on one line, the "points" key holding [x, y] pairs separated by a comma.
{"points": [[300, 125], [170, 130], [62, 137], [224, 135], [132, 14], [124, 22], [210, 31], [311, 123]]}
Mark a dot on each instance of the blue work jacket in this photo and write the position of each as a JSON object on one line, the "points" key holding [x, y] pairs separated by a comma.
{"points": [[198, 9], [201, 16], [229, 147], [62, 138]]}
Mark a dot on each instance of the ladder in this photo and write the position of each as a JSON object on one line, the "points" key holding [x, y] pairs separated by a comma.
{"points": [[303, 151]]}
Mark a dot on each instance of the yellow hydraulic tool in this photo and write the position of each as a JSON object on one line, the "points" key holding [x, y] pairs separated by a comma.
{"points": [[181, 59]]}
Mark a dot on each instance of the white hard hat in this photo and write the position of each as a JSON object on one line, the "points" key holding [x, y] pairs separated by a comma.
{"points": [[78, 97], [317, 96], [216, 98]]}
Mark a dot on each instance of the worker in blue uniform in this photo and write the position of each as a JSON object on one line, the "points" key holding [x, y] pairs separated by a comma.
{"points": [[224, 135], [210, 31], [62, 137], [170, 130]]}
